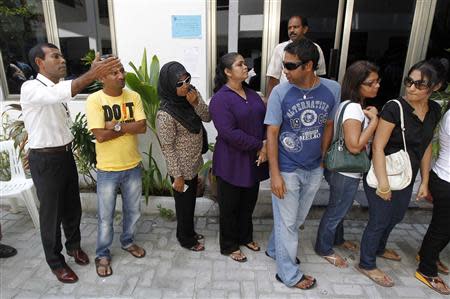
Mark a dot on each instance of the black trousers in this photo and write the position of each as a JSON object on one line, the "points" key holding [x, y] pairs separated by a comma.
{"points": [[56, 180], [438, 233], [185, 208], [236, 205]]}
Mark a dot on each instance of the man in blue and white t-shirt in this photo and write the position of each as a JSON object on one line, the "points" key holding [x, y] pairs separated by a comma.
{"points": [[300, 117]]}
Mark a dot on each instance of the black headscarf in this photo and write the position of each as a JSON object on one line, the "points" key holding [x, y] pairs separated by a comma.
{"points": [[178, 107]]}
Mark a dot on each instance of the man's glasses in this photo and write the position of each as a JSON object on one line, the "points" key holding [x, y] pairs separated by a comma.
{"points": [[290, 66], [419, 84], [372, 83], [180, 83]]}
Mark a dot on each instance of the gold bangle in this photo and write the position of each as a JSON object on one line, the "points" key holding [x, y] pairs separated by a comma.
{"points": [[384, 192]]}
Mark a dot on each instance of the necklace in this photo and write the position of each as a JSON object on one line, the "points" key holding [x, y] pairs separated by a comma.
{"points": [[310, 89]]}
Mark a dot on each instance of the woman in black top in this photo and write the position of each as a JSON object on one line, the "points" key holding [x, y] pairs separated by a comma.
{"points": [[386, 207]]}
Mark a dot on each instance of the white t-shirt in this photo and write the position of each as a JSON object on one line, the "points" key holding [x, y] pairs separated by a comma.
{"points": [[442, 165], [352, 111], [275, 68]]}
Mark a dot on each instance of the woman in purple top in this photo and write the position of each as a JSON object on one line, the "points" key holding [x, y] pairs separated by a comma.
{"points": [[239, 155]]}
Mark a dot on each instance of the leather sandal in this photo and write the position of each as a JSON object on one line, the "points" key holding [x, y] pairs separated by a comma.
{"points": [[390, 254], [348, 245], [336, 260], [135, 250], [105, 264], [305, 283], [253, 246], [381, 278], [435, 283]]}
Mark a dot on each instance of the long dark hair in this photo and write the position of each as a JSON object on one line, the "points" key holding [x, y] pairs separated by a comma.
{"points": [[225, 62], [354, 76]]}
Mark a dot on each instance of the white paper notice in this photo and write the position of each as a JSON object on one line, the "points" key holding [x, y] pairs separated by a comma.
{"points": [[191, 60]]}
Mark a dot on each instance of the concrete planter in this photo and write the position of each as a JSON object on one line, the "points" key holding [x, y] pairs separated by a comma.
{"points": [[204, 206]]}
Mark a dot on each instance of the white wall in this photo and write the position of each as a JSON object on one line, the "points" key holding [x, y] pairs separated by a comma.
{"points": [[147, 24]]}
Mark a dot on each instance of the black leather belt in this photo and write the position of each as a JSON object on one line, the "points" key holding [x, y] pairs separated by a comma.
{"points": [[56, 149]]}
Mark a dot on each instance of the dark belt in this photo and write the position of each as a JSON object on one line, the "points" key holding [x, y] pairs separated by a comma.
{"points": [[56, 149]]}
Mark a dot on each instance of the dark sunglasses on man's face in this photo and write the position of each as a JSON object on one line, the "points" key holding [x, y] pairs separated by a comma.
{"points": [[290, 66], [419, 84], [180, 83]]}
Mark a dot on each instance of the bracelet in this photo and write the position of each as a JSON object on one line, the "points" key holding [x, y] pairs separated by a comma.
{"points": [[384, 192]]}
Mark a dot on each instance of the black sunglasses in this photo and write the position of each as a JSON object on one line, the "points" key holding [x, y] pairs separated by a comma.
{"points": [[290, 66], [180, 83], [419, 84]]}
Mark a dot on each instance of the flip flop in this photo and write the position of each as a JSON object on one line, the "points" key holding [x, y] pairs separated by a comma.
{"points": [[384, 281], [253, 246], [134, 250], [390, 254], [336, 260], [433, 282], [106, 266], [298, 284], [297, 260], [441, 267], [348, 245], [238, 256], [197, 247]]}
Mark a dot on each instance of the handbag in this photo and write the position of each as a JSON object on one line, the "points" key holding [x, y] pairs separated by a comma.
{"points": [[338, 158], [398, 165]]}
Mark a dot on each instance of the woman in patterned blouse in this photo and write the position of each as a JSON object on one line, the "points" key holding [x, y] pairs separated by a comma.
{"points": [[179, 122]]}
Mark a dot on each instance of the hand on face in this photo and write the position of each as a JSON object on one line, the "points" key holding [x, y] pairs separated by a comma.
{"points": [[192, 97], [105, 67]]}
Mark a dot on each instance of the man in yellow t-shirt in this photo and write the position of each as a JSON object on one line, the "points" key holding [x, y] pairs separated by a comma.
{"points": [[115, 116]]}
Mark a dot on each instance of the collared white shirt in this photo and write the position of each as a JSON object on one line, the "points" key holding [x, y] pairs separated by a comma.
{"points": [[275, 68], [44, 111]]}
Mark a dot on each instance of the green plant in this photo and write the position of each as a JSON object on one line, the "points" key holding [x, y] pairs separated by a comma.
{"points": [[166, 213], [84, 149], [144, 81], [153, 181]]}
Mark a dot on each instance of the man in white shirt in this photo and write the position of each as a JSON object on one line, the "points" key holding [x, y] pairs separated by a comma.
{"points": [[297, 28], [47, 121]]}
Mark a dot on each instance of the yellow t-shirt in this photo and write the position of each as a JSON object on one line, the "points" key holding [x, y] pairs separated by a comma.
{"points": [[119, 153]]}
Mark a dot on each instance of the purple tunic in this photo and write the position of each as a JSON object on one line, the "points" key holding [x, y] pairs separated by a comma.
{"points": [[240, 134]]}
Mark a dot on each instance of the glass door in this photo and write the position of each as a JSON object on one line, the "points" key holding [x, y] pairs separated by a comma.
{"points": [[324, 21], [239, 27], [378, 31]]}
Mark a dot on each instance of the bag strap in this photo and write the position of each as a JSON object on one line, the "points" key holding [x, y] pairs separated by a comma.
{"points": [[340, 134], [402, 122]]}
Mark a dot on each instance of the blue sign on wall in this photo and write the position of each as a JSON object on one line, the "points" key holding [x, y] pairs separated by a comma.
{"points": [[187, 26]]}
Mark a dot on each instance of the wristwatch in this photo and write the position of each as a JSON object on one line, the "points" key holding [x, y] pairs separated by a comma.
{"points": [[117, 127]]}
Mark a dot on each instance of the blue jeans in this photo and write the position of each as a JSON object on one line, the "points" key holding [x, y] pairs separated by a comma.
{"points": [[108, 182], [342, 192], [288, 214], [383, 216]]}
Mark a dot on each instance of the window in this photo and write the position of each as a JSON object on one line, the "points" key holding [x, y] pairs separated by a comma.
{"points": [[81, 25], [240, 29], [22, 26]]}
